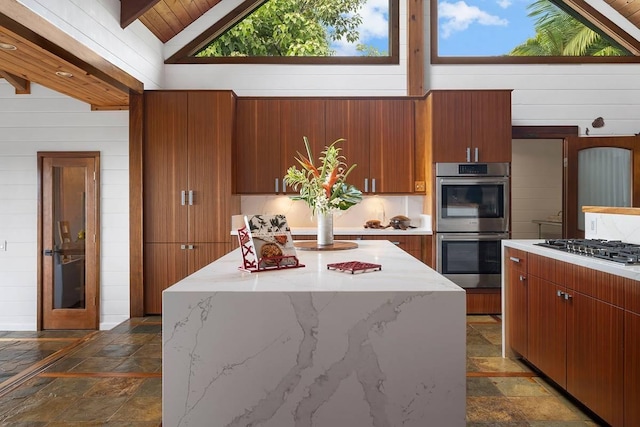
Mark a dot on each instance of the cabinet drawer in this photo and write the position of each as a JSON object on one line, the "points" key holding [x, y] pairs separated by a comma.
{"points": [[516, 259], [547, 269]]}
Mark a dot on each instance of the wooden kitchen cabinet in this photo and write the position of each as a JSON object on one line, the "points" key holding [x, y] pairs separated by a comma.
{"points": [[378, 133], [188, 199], [516, 292], [575, 331], [631, 353], [470, 126], [258, 146]]}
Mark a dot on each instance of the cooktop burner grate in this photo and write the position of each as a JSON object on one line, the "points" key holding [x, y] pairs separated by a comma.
{"points": [[610, 250]]}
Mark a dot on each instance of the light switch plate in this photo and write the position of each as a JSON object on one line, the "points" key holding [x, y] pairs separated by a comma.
{"points": [[3, 245]]}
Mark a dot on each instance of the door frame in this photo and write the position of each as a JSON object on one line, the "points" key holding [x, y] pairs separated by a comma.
{"points": [[40, 271]]}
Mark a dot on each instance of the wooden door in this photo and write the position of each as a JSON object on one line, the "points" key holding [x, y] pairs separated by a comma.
{"points": [[210, 171], [391, 153], [165, 169], [202, 254], [258, 146], [572, 148], [491, 125], [547, 328], [69, 240], [350, 119], [300, 118], [450, 125], [595, 356], [517, 300]]}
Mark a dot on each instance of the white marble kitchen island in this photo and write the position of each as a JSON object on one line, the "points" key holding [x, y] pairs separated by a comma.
{"points": [[315, 347]]}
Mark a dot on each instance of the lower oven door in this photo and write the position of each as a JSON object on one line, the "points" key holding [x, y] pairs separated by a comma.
{"points": [[470, 260]]}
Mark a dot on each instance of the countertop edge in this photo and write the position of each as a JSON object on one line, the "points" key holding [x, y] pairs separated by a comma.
{"points": [[358, 231], [630, 272]]}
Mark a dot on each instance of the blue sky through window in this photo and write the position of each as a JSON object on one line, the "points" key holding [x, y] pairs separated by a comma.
{"points": [[374, 30], [482, 27]]}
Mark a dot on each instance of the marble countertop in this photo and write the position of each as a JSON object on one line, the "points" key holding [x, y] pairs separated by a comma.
{"points": [[630, 272], [400, 272], [359, 231]]}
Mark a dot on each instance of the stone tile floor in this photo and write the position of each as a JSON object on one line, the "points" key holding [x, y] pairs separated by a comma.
{"points": [[114, 378]]}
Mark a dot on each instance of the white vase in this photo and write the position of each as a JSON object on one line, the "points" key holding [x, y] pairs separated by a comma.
{"points": [[325, 229]]}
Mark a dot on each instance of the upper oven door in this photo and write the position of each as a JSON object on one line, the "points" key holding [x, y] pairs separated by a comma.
{"points": [[472, 204]]}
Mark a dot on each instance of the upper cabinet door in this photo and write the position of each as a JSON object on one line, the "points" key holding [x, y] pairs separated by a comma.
{"points": [[450, 125], [471, 126], [210, 128], [391, 154], [350, 119], [258, 146], [165, 187], [491, 125], [300, 118]]}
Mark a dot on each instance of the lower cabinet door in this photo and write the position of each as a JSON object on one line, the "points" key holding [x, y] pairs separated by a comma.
{"points": [[547, 328], [631, 369], [167, 263], [164, 265], [595, 356]]}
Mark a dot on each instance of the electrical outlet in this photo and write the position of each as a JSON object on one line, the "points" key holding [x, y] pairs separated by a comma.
{"points": [[3, 245], [594, 225]]}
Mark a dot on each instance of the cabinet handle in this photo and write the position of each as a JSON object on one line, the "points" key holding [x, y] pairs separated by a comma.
{"points": [[277, 186], [396, 243], [522, 278], [514, 259], [373, 185], [567, 296], [183, 197], [560, 294], [284, 186], [366, 185], [190, 197], [468, 154], [183, 246], [476, 154]]}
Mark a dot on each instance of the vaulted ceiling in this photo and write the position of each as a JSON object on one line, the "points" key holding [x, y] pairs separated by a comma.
{"points": [[33, 50]]}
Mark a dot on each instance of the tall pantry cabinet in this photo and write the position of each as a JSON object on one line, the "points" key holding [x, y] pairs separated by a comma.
{"points": [[188, 194]]}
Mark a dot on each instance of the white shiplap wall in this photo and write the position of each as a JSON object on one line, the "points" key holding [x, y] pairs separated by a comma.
{"points": [[96, 24], [536, 186], [48, 121]]}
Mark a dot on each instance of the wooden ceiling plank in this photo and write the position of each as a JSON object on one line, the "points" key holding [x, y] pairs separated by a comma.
{"points": [[30, 26], [130, 10], [181, 13], [194, 9], [164, 31], [168, 16], [20, 84]]}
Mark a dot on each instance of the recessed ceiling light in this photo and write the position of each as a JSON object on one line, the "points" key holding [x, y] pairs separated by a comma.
{"points": [[7, 46], [63, 74]]}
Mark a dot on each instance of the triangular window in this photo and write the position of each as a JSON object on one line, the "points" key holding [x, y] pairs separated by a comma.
{"points": [[301, 31]]}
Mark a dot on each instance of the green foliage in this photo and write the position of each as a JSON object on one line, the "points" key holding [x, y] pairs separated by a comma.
{"points": [[323, 187], [290, 28], [559, 34]]}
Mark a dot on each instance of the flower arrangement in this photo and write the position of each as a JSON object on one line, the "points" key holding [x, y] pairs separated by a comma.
{"points": [[323, 187]]}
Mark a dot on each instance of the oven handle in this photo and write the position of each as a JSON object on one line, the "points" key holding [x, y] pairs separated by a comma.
{"points": [[473, 181], [472, 236]]}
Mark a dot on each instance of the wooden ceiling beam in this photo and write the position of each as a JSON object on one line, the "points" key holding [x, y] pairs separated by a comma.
{"points": [[30, 26], [22, 86], [130, 10]]}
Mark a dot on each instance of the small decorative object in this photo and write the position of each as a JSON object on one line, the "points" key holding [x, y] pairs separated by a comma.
{"points": [[354, 267], [266, 244], [323, 186]]}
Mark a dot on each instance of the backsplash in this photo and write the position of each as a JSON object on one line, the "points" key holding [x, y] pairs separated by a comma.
{"points": [[372, 207], [612, 227]]}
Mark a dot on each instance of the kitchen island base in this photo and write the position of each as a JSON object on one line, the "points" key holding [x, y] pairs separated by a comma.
{"points": [[315, 347]]}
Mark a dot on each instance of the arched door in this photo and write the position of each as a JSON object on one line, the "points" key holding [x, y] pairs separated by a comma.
{"points": [[600, 171]]}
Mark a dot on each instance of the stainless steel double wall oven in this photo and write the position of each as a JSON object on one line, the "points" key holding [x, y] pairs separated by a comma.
{"points": [[472, 218]]}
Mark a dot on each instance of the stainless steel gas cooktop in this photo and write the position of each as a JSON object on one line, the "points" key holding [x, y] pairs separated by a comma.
{"points": [[610, 250]]}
